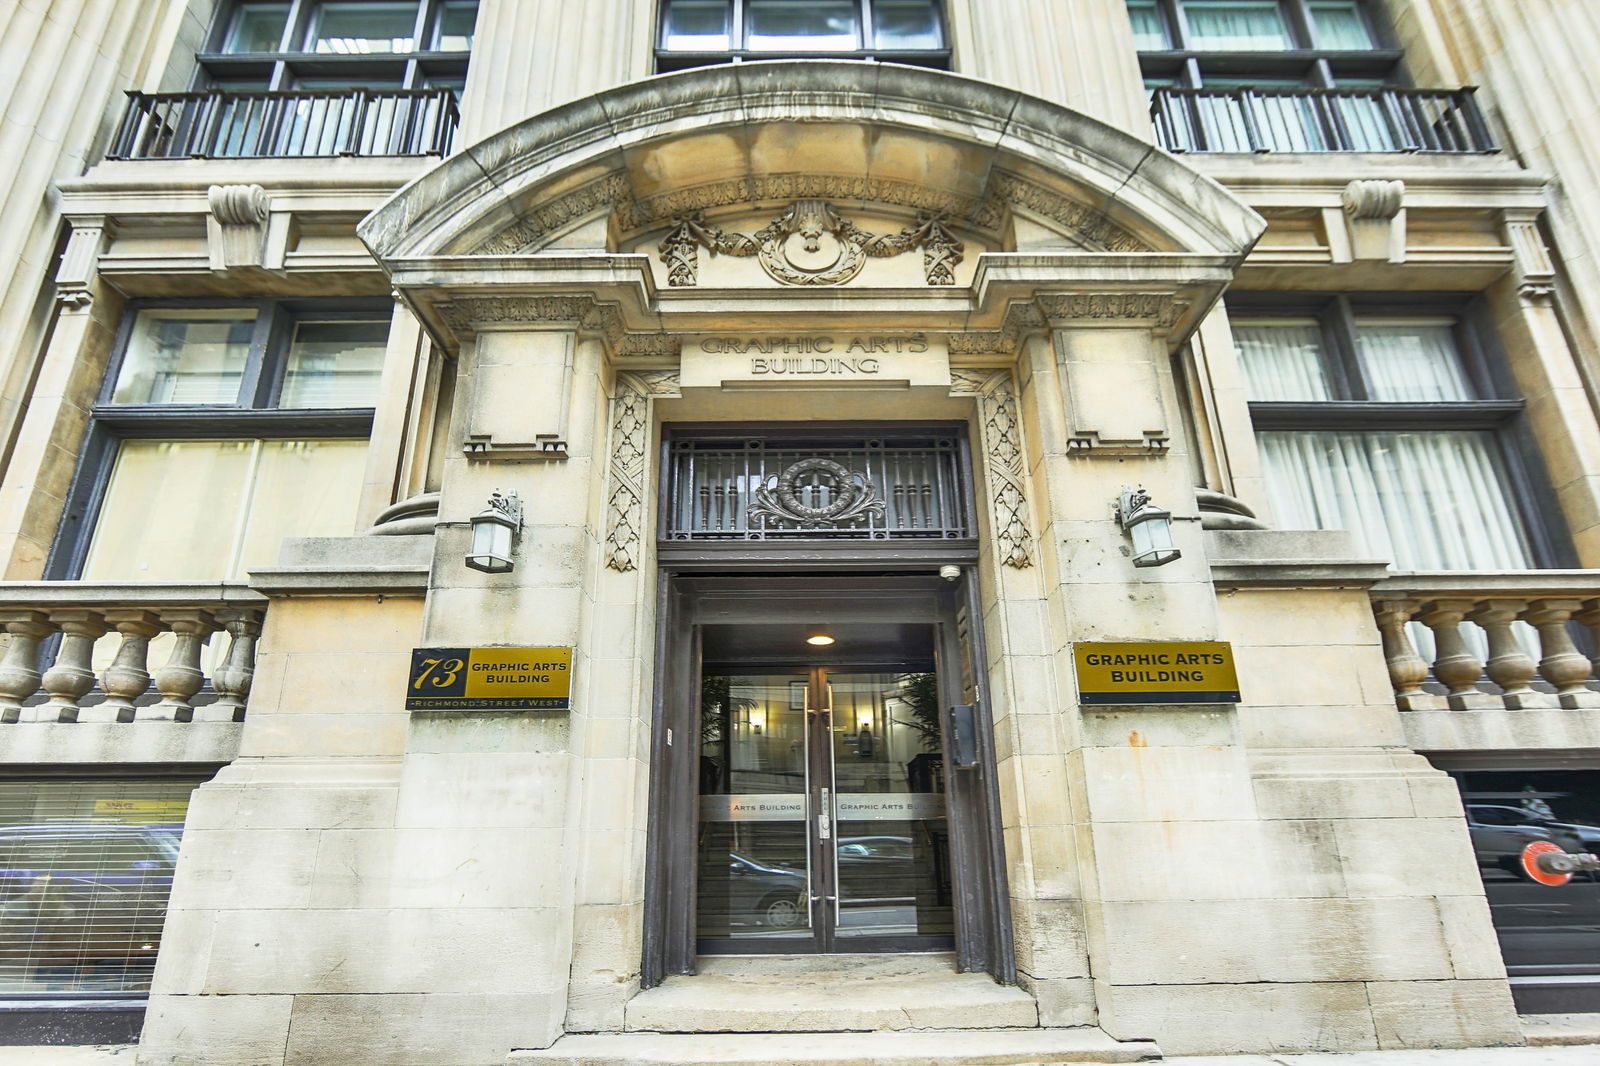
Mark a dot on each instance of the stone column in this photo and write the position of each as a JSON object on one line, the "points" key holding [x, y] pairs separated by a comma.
{"points": [[1077, 53], [541, 802], [1228, 862], [1549, 378], [69, 62], [398, 437], [1532, 60], [56, 417], [531, 55]]}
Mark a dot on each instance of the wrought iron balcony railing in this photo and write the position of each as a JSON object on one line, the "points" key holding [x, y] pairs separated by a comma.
{"points": [[1320, 120], [223, 124]]}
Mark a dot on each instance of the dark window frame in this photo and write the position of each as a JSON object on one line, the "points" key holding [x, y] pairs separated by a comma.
{"points": [[282, 70], [1184, 67], [258, 419], [1496, 409], [667, 60]]}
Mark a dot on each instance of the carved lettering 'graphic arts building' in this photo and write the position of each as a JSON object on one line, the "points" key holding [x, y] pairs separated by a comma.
{"points": [[564, 533]]}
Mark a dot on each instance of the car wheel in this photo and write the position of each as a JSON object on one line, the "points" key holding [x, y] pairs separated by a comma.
{"points": [[783, 912]]}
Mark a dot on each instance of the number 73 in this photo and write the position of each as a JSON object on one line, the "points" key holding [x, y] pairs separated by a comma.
{"points": [[448, 669]]}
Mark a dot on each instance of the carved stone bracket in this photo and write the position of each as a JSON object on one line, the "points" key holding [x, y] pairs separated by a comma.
{"points": [[583, 313], [80, 261], [1022, 318], [236, 231], [1536, 283], [1003, 460], [1373, 198], [543, 446], [1089, 444], [630, 461], [810, 244]]}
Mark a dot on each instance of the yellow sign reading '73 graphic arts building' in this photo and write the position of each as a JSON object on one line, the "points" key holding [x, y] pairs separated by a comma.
{"points": [[1176, 672], [490, 679]]}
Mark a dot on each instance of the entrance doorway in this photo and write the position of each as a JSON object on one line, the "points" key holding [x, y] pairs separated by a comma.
{"points": [[822, 818], [809, 797]]}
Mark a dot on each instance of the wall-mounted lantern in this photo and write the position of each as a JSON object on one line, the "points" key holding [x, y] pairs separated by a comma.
{"points": [[494, 529], [1149, 526]]}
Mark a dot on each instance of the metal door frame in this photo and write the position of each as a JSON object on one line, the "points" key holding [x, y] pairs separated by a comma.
{"points": [[685, 603]]}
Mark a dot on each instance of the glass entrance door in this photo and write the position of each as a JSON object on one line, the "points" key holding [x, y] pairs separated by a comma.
{"points": [[822, 823]]}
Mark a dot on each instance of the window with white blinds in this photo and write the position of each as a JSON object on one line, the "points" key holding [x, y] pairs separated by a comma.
{"points": [[1381, 424], [86, 867]]}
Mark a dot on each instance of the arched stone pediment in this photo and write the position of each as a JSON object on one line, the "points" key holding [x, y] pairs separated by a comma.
{"points": [[729, 146]]}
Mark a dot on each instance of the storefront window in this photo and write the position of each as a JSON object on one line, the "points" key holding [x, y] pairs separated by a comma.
{"points": [[86, 867], [1548, 926]]}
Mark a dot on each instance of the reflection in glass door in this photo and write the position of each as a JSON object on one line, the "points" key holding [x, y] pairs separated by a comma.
{"points": [[822, 821]]}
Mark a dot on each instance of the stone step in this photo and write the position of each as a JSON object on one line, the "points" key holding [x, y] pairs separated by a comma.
{"points": [[966, 1047], [816, 994]]}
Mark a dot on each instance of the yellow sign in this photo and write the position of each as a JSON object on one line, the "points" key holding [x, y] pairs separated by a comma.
{"points": [[142, 810], [490, 679], [1176, 672]]}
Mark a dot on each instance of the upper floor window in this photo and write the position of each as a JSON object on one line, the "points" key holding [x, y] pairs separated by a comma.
{"points": [[240, 423], [1389, 421], [698, 32], [334, 44], [1316, 43]]}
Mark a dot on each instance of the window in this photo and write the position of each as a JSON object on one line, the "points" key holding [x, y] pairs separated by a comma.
{"points": [[698, 32], [1290, 76], [86, 867], [340, 44], [237, 425], [1384, 421], [1316, 43], [1546, 930]]}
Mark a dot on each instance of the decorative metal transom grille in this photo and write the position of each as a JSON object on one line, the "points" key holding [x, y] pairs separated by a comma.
{"points": [[864, 488]]}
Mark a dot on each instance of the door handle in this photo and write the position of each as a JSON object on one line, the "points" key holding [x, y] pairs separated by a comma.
{"points": [[824, 817]]}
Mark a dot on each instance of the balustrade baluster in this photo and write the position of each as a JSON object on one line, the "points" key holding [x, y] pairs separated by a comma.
{"points": [[1590, 618], [1455, 667], [71, 677], [181, 678], [1407, 670], [232, 679], [19, 670], [1560, 664], [1508, 666], [128, 676]]}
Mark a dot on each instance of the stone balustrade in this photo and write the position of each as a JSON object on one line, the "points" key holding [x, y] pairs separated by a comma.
{"points": [[1508, 671], [52, 630]]}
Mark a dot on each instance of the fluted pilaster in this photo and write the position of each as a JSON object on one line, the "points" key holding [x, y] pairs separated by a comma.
{"points": [[530, 55], [1077, 53]]}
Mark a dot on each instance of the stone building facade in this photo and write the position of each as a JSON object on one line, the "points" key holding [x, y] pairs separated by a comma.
{"points": [[822, 359]]}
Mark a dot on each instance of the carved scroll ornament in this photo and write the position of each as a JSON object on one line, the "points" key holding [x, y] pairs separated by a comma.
{"points": [[810, 244]]}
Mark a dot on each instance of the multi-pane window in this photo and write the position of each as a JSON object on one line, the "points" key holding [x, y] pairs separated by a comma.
{"points": [[220, 431], [1318, 43], [698, 32], [1386, 424], [1290, 76], [340, 44]]}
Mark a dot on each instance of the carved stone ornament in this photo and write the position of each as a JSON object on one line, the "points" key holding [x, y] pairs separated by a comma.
{"points": [[810, 244], [852, 496], [1373, 198], [1002, 451], [629, 461]]}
